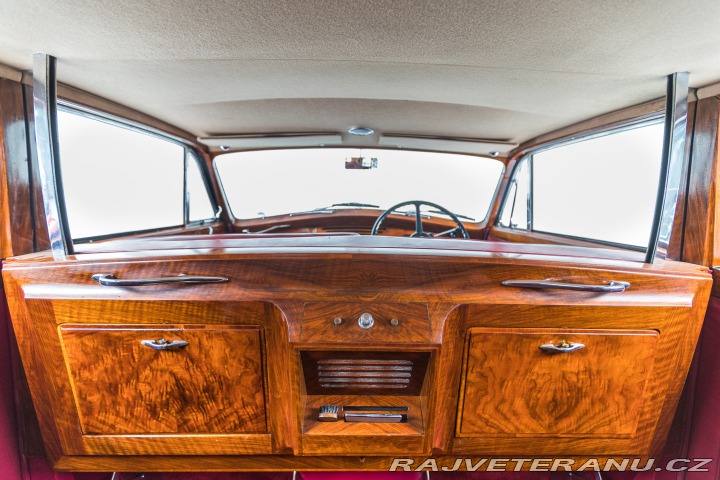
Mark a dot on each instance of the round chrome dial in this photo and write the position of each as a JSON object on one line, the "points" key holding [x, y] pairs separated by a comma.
{"points": [[366, 320]]}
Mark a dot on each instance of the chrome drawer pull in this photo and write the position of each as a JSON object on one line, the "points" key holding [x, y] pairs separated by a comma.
{"points": [[612, 287], [109, 280], [562, 347], [163, 344]]}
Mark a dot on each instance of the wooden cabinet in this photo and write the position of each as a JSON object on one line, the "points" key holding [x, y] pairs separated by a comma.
{"points": [[264, 353], [112, 393], [212, 384], [511, 387]]}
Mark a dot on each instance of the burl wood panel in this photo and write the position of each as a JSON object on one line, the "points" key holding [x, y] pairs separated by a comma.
{"points": [[16, 218], [701, 240], [511, 387], [268, 288], [413, 323], [213, 385]]}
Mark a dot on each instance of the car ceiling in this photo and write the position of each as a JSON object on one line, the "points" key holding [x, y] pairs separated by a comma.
{"points": [[504, 70]]}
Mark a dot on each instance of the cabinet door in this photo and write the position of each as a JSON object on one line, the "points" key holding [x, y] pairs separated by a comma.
{"points": [[512, 387], [135, 380]]}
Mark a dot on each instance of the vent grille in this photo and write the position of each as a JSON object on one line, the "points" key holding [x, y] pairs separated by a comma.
{"points": [[364, 373], [359, 373]]}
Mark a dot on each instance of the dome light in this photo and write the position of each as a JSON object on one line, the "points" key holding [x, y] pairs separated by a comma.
{"points": [[361, 131]]}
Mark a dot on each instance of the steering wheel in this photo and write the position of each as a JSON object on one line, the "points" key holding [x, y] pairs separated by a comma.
{"points": [[419, 232]]}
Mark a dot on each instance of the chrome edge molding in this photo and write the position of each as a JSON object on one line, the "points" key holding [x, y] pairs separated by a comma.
{"points": [[48, 154], [676, 109]]}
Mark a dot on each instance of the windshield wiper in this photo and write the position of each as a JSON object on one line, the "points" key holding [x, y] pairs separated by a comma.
{"points": [[355, 204], [269, 229], [310, 212], [332, 209], [410, 213], [456, 214]]}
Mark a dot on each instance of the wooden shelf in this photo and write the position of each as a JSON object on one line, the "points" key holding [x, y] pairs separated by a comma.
{"points": [[341, 438], [414, 425]]}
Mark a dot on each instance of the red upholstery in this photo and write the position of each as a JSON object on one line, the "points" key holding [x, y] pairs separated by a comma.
{"points": [[705, 428], [189, 476], [361, 475]]}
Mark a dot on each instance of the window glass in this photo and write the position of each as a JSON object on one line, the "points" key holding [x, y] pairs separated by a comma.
{"points": [[198, 200], [515, 211], [116, 179], [275, 182], [602, 188]]}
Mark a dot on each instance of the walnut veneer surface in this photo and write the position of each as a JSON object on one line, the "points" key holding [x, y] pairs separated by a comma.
{"points": [[237, 392]]}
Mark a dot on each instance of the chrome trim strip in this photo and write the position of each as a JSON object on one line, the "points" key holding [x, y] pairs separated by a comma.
{"points": [[48, 154], [676, 110]]}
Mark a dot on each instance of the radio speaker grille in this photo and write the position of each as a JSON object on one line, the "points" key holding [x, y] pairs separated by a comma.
{"points": [[371, 373]]}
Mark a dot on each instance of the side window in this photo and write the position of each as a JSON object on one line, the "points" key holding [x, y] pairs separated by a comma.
{"points": [[601, 189], [515, 212], [119, 180], [199, 205]]}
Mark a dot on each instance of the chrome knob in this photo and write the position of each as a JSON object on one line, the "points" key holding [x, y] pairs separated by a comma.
{"points": [[366, 320], [337, 321], [394, 322]]}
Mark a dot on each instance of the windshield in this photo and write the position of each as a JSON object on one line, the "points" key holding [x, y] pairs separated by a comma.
{"points": [[275, 182]]}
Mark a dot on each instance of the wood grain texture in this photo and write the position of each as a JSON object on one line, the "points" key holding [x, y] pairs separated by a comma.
{"points": [[143, 312], [260, 463], [414, 425], [670, 361], [31, 443], [213, 385], [270, 290], [512, 388], [16, 221], [341, 438], [413, 324], [414, 279], [181, 444], [447, 369], [283, 367], [701, 222]]}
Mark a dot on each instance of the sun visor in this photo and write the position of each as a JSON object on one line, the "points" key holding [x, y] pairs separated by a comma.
{"points": [[226, 143], [463, 145]]}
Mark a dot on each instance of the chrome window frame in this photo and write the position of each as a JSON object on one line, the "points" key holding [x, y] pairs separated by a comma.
{"points": [[188, 151], [653, 118]]}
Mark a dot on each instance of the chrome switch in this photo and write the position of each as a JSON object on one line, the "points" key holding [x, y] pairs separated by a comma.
{"points": [[366, 320]]}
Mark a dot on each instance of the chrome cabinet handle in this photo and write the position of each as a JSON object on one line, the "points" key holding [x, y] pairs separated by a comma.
{"points": [[612, 287], [109, 280], [163, 344], [562, 347]]}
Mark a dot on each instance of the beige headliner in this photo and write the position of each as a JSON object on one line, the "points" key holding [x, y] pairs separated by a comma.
{"points": [[497, 69]]}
